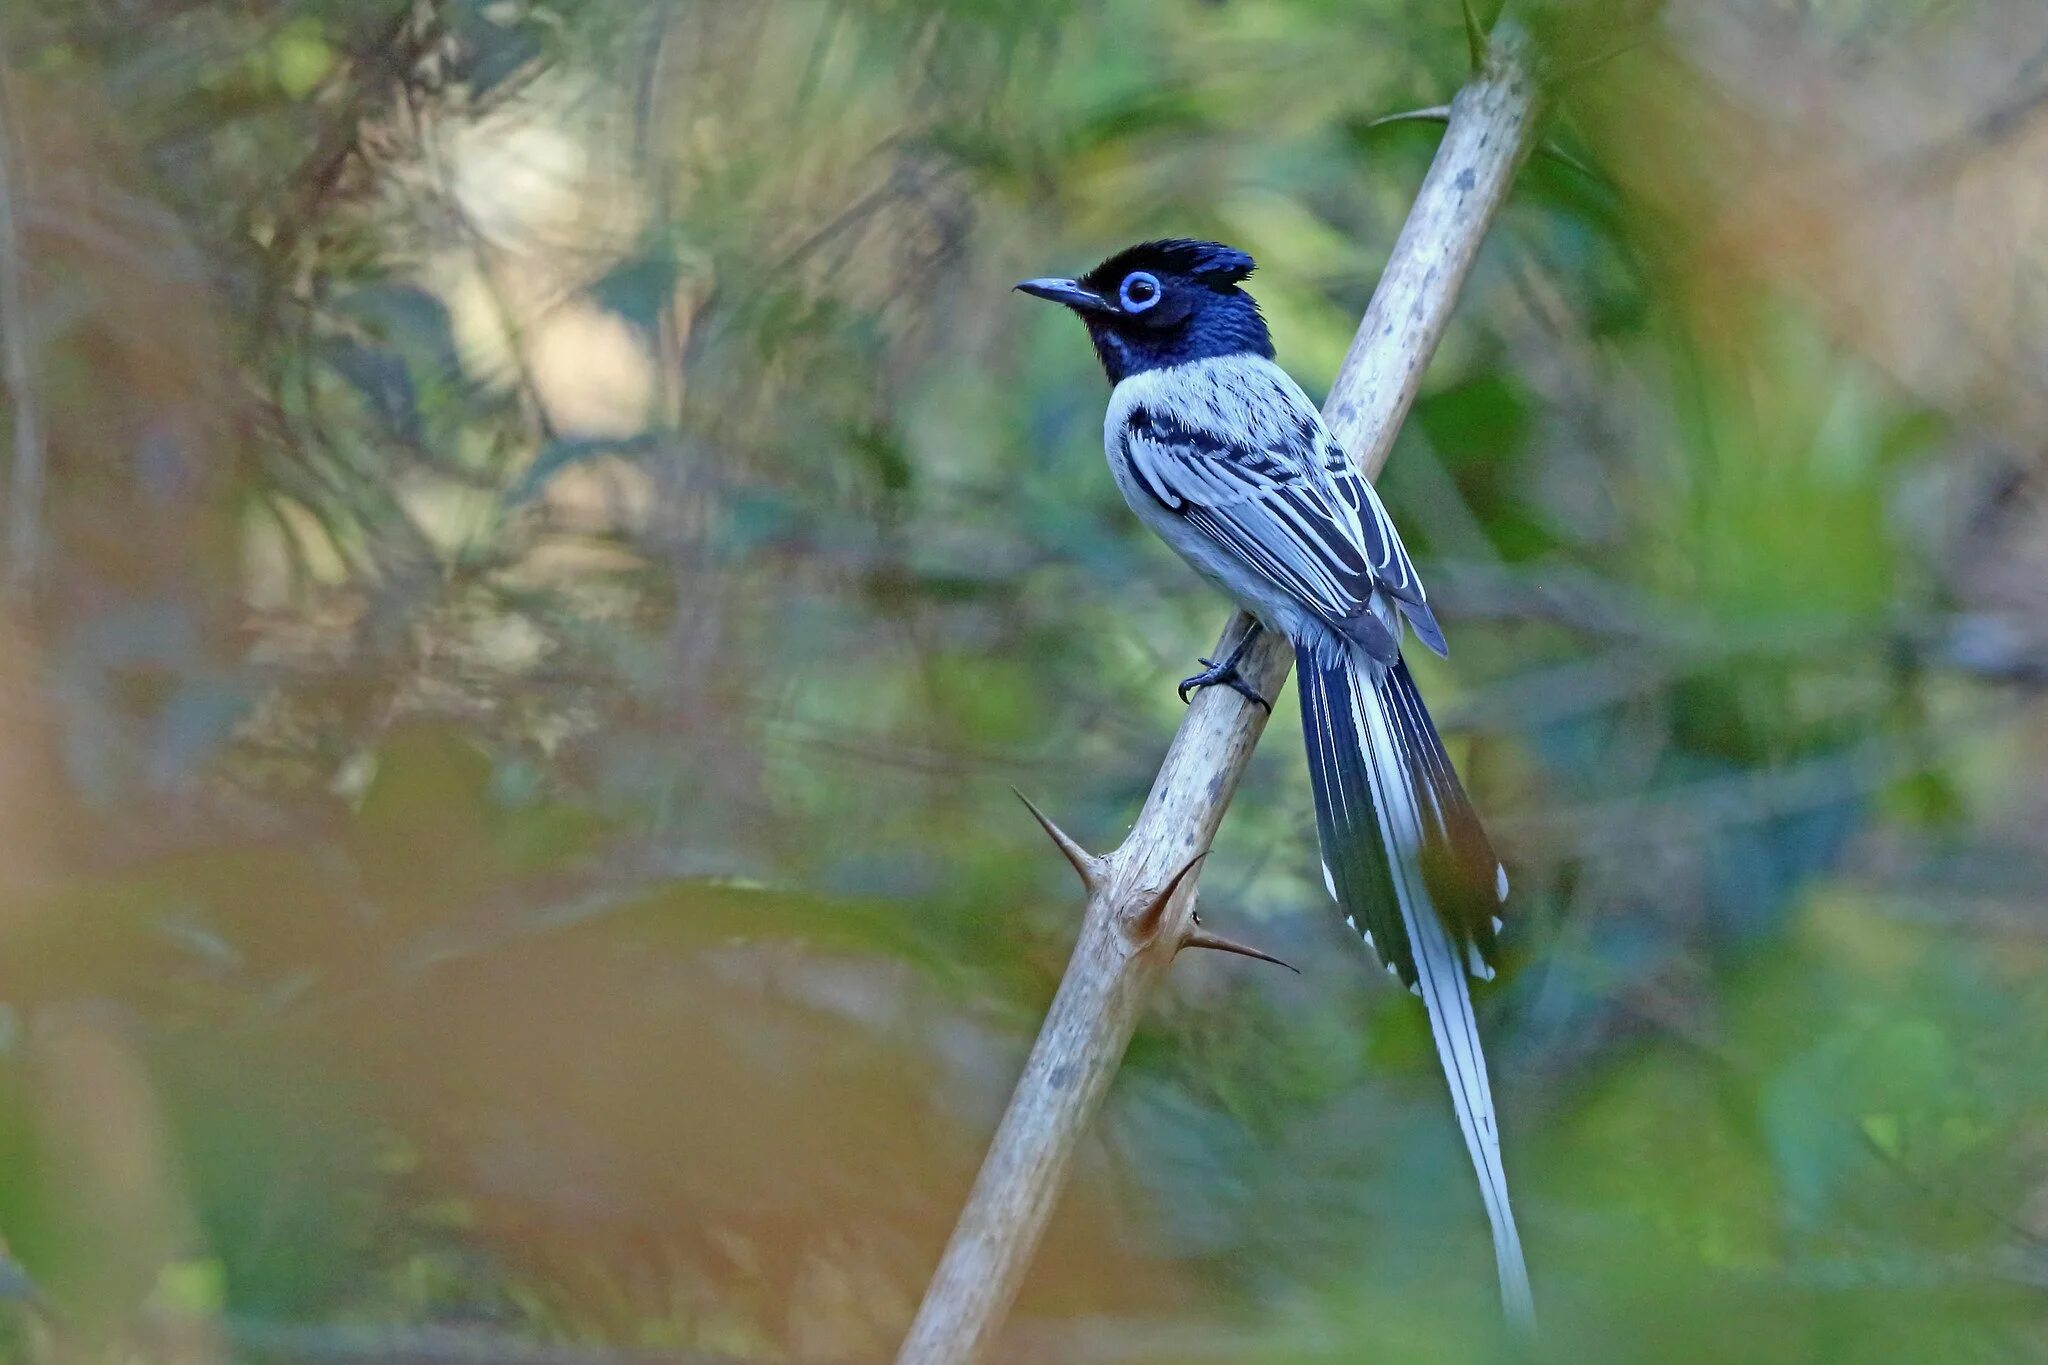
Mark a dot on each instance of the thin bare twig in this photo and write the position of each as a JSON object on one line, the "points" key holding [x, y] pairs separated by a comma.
{"points": [[1141, 897]]}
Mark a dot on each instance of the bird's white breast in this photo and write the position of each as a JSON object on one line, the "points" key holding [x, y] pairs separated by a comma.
{"points": [[1246, 399], [1247, 396]]}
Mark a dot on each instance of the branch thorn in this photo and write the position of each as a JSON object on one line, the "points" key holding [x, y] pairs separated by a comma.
{"points": [[1085, 863], [1564, 158], [1436, 113], [1475, 37], [1585, 64], [1198, 937], [1146, 921]]}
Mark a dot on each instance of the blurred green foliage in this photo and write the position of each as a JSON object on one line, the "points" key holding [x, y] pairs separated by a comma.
{"points": [[553, 542]]}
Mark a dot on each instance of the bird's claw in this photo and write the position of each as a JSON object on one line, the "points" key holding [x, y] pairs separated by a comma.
{"points": [[1188, 685], [1226, 675]]}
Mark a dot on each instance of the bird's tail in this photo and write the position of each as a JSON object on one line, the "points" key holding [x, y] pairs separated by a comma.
{"points": [[1407, 861]]}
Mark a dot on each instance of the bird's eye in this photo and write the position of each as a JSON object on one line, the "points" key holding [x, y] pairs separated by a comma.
{"points": [[1140, 291]]}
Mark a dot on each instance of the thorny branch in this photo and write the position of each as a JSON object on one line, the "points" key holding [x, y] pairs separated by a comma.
{"points": [[1141, 897]]}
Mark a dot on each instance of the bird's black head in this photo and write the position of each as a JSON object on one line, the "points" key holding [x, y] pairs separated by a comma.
{"points": [[1164, 303]]}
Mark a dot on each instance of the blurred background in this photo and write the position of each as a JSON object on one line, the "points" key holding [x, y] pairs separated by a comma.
{"points": [[536, 543]]}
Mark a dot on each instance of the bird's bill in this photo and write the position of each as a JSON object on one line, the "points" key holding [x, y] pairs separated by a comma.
{"points": [[1068, 292]]}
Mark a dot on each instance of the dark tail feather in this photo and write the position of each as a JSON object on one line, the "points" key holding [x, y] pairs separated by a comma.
{"points": [[1407, 861]]}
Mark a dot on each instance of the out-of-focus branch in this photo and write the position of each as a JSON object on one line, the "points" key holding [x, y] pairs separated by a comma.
{"points": [[1141, 897], [17, 366]]}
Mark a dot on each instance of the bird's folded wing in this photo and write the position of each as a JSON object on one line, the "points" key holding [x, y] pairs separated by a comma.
{"points": [[1294, 511]]}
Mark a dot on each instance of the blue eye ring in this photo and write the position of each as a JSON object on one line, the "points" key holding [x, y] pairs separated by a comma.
{"points": [[1139, 291]]}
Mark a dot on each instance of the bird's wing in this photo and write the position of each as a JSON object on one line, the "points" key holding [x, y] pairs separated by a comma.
{"points": [[1288, 504]]}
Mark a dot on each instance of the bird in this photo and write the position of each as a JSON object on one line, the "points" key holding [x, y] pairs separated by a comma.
{"points": [[1221, 454]]}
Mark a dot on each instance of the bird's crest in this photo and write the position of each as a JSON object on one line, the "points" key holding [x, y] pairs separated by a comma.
{"points": [[1212, 263]]}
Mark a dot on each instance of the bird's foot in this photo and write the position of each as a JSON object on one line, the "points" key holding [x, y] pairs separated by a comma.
{"points": [[1225, 674]]}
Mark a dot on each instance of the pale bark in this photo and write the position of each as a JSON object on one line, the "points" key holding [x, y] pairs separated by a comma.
{"points": [[1141, 897]]}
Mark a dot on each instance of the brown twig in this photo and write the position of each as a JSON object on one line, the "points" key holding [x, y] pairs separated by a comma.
{"points": [[1141, 897]]}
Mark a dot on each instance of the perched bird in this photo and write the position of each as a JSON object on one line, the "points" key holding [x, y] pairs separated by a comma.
{"points": [[1225, 458]]}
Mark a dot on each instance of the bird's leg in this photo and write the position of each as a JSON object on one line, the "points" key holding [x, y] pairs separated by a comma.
{"points": [[1224, 671]]}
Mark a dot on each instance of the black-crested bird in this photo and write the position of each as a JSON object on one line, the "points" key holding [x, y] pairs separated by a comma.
{"points": [[1226, 459]]}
